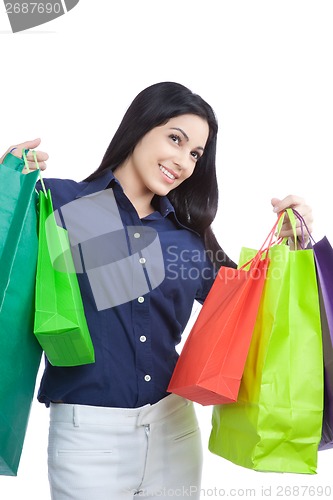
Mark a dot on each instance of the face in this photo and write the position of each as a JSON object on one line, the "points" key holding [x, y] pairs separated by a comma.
{"points": [[167, 155]]}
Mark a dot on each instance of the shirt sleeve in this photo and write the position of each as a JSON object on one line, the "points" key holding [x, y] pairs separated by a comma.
{"points": [[39, 185], [18, 164], [13, 162], [208, 275]]}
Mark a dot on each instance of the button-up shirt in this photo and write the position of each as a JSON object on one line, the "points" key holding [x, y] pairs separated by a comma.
{"points": [[135, 340]]}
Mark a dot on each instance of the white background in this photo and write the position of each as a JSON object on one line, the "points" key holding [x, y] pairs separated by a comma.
{"points": [[264, 66]]}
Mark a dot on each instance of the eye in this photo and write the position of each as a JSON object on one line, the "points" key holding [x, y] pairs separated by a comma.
{"points": [[175, 138], [196, 155]]}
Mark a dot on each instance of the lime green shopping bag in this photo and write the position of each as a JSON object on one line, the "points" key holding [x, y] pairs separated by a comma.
{"points": [[60, 323], [19, 350], [275, 425]]}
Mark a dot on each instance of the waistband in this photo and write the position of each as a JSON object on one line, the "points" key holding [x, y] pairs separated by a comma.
{"points": [[100, 415]]}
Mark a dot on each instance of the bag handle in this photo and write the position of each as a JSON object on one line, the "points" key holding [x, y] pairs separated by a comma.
{"points": [[303, 224], [264, 248], [292, 220], [293, 216], [24, 156]]}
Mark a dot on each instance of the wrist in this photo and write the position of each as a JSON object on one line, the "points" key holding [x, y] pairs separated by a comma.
{"points": [[13, 162]]}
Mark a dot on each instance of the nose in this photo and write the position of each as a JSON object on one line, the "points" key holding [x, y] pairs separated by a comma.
{"points": [[183, 161]]}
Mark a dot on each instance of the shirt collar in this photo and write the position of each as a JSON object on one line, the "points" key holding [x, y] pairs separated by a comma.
{"points": [[164, 205], [99, 184], [106, 178]]}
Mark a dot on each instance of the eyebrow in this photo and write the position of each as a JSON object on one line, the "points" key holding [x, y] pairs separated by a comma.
{"points": [[185, 135]]}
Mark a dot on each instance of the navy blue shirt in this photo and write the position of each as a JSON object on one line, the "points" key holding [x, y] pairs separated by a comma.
{"points": [[134, 341]]}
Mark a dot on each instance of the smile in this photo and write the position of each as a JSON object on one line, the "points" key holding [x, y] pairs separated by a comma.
{"points": [[167, 173]]}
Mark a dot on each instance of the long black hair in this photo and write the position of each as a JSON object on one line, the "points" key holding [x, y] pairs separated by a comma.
{"points": [[196, 199]]}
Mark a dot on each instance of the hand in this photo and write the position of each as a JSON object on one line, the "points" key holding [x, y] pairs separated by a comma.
{"points": [[41, 156], [302, 208]]}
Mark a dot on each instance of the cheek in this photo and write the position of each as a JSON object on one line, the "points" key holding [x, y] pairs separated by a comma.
{"points": [[189, 172], [185, 175], [140, 160]]}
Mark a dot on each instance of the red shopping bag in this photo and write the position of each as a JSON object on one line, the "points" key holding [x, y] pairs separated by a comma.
{"points": [[211, 363]]}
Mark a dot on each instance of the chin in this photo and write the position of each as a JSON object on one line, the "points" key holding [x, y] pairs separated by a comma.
{"points": [[161, 190]]}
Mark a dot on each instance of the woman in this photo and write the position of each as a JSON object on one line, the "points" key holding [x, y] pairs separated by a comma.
{"points": [[115, 432]]}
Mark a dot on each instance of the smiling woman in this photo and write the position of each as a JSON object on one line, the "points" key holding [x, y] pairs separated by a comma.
{"points": [[162, 160], [170, 120], [115, 431]]}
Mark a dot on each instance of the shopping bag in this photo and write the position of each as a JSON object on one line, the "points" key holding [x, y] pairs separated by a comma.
{"points": [[276, 423], [323, 253], [211, 363], [326, 441], [60, 323], [20, 351]]}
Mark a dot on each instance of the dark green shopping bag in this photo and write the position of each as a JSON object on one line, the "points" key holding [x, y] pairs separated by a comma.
{"points": [[20, 352], [60, 323], [276, 423]]}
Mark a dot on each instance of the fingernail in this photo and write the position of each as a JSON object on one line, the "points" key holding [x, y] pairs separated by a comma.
{"points": [[275, 209]]}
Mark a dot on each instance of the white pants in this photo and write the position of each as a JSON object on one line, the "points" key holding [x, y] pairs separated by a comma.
{"points": [[98, 453]]}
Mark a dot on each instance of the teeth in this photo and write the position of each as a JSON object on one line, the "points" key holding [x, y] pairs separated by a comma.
{"points": [[166, 172]]}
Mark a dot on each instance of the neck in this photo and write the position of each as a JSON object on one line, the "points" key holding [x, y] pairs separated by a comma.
{"points": [[139, 195]]}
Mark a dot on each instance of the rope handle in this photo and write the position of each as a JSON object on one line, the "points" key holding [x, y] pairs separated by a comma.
{"points": [[293, 216], [303, 225], [292, 220], [24, 156], [265, 249]]}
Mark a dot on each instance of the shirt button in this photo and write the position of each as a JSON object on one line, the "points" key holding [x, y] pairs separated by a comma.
{"points": [[142, 260], [141, 299], [147, 378], [136, 235], [143, 338]]}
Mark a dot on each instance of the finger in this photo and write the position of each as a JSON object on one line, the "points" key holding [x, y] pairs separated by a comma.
{"points": [[275, 202], [33, 166], [306, 213], [290, 234], [287, 202], [304, 210], [287, 230], [287, 227], [29, 144], [40, 155], [18, 149]]}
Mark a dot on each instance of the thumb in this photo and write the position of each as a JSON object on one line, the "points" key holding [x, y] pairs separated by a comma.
{"points": [[29, 144], [275, 204], [19, 148]]}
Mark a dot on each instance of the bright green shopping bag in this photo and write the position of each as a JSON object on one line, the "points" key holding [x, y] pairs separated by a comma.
{"points": [[275, 425], [60, 322], [20, 352]]}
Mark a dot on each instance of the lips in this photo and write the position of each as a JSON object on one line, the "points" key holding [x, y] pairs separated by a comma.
{"points": [[170, 174]]}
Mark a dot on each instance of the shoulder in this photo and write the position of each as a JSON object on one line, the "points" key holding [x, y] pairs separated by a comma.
{"points": [[62, 190]]}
